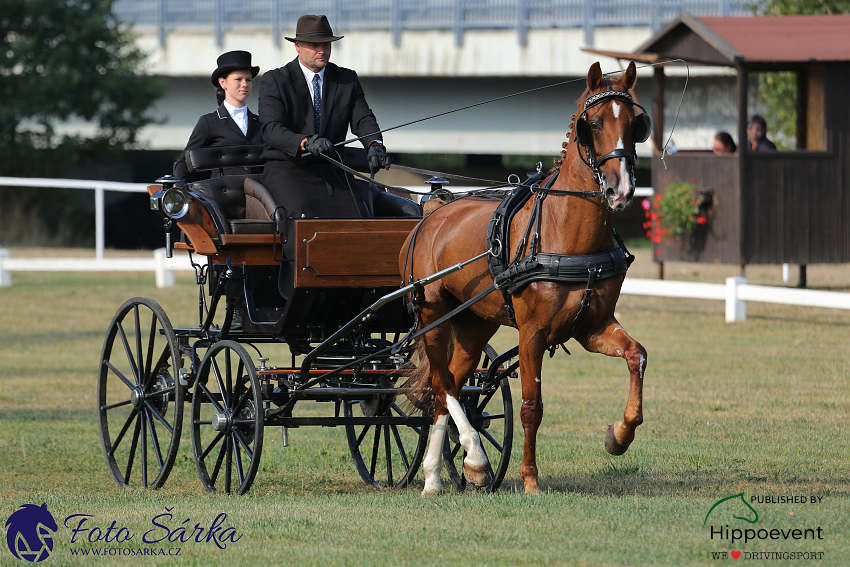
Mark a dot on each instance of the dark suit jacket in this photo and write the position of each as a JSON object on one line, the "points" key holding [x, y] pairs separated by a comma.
{"points": [[218, 129], [286, 109], [308, 186]]}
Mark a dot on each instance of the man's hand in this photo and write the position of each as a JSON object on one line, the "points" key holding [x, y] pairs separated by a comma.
{"points": [[316, 145], [377, 158]]}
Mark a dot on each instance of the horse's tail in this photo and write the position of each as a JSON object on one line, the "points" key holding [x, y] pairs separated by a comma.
{"points": [[420, 398]]}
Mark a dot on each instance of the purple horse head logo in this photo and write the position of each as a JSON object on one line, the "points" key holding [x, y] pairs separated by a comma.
{"points": [[29, 532]]}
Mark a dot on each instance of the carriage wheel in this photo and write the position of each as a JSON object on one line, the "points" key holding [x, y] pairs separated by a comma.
{"points": [[386, 455], [227, 419], [495, 427], [140, 403]]}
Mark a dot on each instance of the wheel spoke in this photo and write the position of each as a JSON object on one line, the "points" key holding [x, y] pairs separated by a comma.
{"points": [[228, 377], [115, 405], [160, 363], [486, 400], [144, 453], [210, 397], [228, 465], [138, 326], [221, 388], [240, 473], [132, 456], [241, 402], [155, 441], [127, 352], [218, 461], [212, 445], [455, 450], [151, 340], [375, 447], [243, 443], [119, 374], [388, 446], [362, 435], [159, 417], [400, 445], [123, 431], [491, 439]]}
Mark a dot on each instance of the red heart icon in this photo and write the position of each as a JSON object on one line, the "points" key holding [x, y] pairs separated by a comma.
{"points": [[735, 554]]}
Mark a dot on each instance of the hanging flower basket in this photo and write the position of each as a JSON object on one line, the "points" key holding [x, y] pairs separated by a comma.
{"points": [[678, 214]]}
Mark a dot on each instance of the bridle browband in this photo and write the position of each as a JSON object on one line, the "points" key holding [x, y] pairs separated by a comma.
{"points": [[584, 137]]}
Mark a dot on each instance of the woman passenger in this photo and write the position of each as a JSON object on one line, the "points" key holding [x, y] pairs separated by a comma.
{"points": [[232, 124]]}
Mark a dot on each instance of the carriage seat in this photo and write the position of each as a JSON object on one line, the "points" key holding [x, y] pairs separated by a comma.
{"points": [[221, 157]]}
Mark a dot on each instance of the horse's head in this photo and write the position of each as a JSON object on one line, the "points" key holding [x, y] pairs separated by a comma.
{"points": [[607, 128]]}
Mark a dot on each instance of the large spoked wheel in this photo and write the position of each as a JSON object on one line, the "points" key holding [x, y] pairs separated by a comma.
{"points": [[139, 397], [227, 419], [491, 413], [387, 452]]}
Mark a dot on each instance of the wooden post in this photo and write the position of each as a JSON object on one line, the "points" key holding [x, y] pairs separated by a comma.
{"points": [[658, 109], [801, 283]]}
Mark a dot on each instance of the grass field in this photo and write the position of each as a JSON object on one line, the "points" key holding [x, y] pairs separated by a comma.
{"points": [[758, 408]]}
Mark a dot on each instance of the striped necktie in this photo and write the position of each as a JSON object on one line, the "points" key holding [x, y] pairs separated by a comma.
{"points": [[317, 103]]}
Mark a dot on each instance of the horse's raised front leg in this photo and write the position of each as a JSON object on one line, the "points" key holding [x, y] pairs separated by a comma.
{"points": [[613, 340]]}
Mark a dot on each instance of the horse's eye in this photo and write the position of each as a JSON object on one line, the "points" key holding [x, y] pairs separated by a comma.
{"points": [[595, 125]]}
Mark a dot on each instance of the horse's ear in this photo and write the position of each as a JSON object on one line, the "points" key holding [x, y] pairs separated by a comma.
{"points": [[594, 77], [629, 76]]}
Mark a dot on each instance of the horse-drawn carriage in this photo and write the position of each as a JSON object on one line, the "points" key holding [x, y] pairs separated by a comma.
{"points": [[325, 312], [385, 361]]}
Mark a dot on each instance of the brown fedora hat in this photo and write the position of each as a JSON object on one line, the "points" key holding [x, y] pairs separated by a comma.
{"points": [[314, 29], [233, 61]]}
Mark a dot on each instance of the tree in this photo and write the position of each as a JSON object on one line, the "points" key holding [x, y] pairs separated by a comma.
{"points": [[66, 60]]}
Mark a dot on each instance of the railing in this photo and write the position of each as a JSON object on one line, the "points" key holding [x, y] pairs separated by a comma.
{"points": [[735, 293], [97, 186], [403, 15]]}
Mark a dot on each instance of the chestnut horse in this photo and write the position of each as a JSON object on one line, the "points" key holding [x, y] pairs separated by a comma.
{"points": [[545, 311]]}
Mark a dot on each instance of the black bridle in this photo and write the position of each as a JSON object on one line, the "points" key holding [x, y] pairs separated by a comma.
{"points": [[584, 134]]}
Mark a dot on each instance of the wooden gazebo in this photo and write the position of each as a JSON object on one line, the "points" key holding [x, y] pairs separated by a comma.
{"points": [[771, 207]]}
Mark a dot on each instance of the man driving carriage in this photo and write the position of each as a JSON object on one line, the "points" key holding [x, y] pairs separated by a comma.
{"points": [[305, 108]]}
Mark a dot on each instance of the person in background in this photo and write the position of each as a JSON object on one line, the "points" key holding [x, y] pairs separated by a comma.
{"points": [[232, 124], [757, 134], [724, 144]]}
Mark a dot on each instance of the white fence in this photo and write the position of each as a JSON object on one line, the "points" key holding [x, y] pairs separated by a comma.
{"points": [[97, 186], [735, 293]]}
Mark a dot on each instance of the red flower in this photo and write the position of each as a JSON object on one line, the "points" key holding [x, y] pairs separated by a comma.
{"points": [[693, 179], [701, 219]]}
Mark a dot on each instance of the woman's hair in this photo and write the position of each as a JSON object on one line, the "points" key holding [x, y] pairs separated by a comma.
{"points": [[725, 139], [219, 95]]}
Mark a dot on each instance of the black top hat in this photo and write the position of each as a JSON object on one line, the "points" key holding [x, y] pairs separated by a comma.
{"points": [[233, 61], [314, 29]]}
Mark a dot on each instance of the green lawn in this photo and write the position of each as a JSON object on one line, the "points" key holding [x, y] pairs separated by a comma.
{"points": [[758, 408]]}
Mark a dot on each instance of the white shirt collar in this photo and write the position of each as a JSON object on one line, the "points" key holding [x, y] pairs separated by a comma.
{"points": [[308, 74], [233, 111]]}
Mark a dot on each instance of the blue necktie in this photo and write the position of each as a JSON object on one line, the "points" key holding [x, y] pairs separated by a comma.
{"points": [[317, 103]]}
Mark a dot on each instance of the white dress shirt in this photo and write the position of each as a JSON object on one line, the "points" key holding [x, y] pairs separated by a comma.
{"points": [[239, 115]]}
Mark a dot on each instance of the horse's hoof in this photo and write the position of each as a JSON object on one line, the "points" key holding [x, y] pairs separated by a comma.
{"points": [[611, 444], [431, 492], [533, 488], [478, 476]]}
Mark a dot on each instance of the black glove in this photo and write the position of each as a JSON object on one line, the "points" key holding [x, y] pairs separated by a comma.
{"points": [[316, 145], [377, 157]]}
